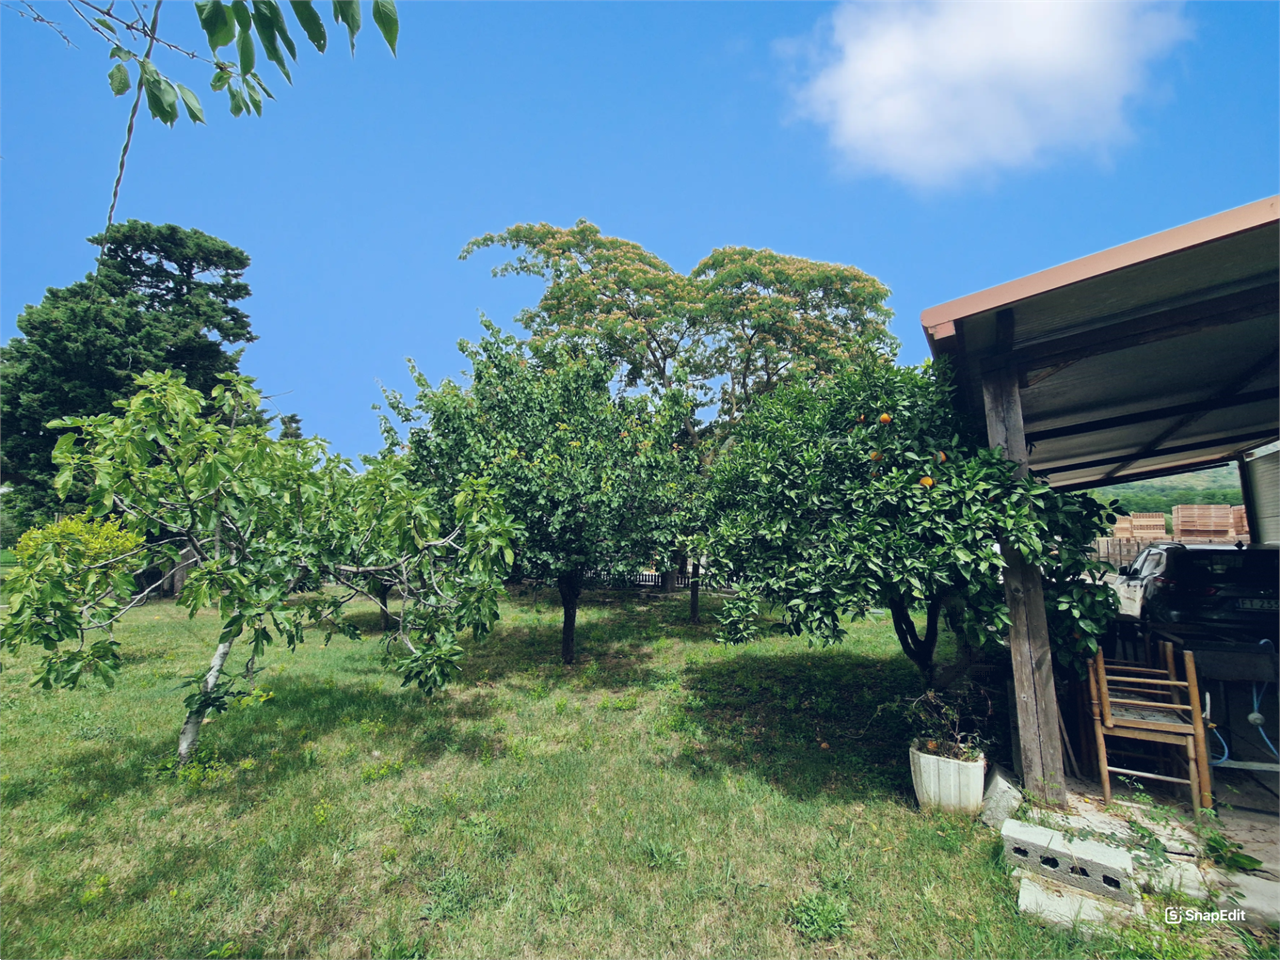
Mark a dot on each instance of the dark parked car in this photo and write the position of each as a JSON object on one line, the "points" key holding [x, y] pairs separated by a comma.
{"points": [[1211, 585]]}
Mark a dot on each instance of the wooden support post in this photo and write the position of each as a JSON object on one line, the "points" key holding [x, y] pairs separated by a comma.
{"points": [[1036, 701]]}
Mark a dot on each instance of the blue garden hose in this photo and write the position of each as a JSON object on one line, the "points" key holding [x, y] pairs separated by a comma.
{"points": [[1257, 697], [1226, 751]]}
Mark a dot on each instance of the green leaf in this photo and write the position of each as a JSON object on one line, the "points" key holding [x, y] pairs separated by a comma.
{"points": [[105, 24], [192, 103], [244, 37], [220, 80], [261, 86], [62, 481], [311, 23], [255, 101], [264, 20], [282, 28], [162, 98], [120, 53], [217, 23], [388, 21], [118, 77], [237, 101], [348, 12]]}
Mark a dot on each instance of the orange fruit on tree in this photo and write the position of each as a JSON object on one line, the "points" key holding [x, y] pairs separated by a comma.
{"points": [[876, 455], [926, 482], [885, 418], [862, 418], [942, 457]]}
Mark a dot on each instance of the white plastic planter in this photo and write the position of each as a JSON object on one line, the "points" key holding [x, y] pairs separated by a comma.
{"points": [[945, 784]]}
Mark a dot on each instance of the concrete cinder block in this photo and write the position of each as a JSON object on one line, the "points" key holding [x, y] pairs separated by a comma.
{"points": [[1089, 865], [1065, 906], [1025, 841], [1001, 798]]}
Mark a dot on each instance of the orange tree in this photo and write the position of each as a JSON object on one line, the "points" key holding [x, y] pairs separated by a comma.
{"points": [[868, 490], [597, 481], [733, 329]]}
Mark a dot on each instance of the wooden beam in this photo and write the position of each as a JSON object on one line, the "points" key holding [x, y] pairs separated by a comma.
{"points": [[1226, 394], [1036, 701], [1196, 408], [1256, 436], [1110, 335], [1102, 483]]}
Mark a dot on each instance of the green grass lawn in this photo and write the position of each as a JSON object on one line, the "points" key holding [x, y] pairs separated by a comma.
{"points": [[664, 797]]}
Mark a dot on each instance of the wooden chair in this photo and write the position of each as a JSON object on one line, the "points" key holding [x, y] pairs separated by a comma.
{"points": [[1151, 704]]}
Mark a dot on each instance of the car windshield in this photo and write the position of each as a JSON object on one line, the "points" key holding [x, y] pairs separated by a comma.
{"points": [[1234, 568]]}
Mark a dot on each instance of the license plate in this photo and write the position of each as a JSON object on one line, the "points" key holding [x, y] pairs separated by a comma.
{"points": [[1258, 604]]}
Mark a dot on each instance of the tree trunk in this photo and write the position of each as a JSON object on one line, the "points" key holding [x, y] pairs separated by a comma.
{"points": [[381, 590], [668, 584], [190, 735], [966, 650], [694, 614], [919, 650], [570, 590]]}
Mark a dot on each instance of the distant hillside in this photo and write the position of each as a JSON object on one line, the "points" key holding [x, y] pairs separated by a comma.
{"points": [[1224, 477], [1221, 485]]}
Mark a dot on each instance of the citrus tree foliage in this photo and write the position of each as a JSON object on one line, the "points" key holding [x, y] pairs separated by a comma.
{"points": [[256, 520], [164, 298], [245, 28], [73, 576], [595, 479], [739, 324], [866, 490]]}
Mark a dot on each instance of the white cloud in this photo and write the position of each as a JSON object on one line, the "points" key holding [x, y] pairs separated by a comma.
{"points": [[931, 93]]}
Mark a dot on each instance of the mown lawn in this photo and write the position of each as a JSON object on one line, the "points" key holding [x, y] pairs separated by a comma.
{"points": [[664, 797]]}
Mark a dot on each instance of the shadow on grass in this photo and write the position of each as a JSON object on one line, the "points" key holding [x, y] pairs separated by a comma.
{"points": [[247, 756], [615, 635], [278, 737], [773, 713]]}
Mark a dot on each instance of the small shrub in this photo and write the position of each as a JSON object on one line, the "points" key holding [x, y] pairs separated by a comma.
{"points": [[451, 896], [662, 856], [372, 728], [381, 771], [101, 540], [563, 903], [399, 949], [414, 817], [95, 891], [205, 768], [819, 916], [480, 827], [320, 813]]}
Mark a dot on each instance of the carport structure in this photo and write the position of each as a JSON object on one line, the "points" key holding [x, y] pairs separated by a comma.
{"points": [[1152, 358]]}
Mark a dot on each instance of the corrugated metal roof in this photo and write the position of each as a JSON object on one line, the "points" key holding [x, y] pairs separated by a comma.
{"points": [[1154, 356]]}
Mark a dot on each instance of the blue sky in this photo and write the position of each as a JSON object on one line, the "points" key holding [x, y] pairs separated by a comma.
{"points": [[941, 148]]}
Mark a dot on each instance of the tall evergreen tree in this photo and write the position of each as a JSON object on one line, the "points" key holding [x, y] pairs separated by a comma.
{"points": [[164, 298]]}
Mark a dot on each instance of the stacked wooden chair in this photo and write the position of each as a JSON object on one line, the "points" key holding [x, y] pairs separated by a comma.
{"points": [[1150, 703]]}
